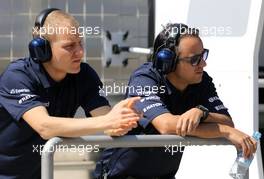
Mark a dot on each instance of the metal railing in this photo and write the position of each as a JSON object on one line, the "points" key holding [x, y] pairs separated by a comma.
{"points": [[103, 141]]}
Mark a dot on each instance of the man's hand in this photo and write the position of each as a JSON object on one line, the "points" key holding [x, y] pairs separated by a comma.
{"points": [[188, 121], [242, 141], [123, 117]]}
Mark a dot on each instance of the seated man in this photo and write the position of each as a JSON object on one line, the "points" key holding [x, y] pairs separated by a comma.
{"points": [[40, 95], [178, 97]]}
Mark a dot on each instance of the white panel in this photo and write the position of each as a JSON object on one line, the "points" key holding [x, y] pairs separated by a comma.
{"points": [[230, 63]]}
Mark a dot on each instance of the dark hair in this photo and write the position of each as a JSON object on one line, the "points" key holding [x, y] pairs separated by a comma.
{"points": [[173, 31]]}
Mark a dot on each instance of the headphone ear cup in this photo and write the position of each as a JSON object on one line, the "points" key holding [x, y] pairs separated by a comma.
{"points": [[164, 60], [40, 50]]}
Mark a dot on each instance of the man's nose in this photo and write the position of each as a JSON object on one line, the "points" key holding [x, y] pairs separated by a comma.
{"points": [[202, 63], [79, 51]]}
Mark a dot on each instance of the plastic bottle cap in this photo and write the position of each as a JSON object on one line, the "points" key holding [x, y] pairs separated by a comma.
{"points": [[257, 135]]}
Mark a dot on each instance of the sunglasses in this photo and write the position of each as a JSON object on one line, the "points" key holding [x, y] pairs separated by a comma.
{"points": [[196, 59]]}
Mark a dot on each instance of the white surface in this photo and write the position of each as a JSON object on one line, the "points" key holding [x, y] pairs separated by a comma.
{"points": [[116, 59], [230, 63], [139, 50]]}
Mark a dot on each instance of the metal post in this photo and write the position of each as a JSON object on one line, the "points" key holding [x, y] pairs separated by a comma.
{"points": [[47, 154]]}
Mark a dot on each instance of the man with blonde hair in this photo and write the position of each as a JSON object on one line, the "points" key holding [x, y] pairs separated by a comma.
{"points": [[40, 95]]}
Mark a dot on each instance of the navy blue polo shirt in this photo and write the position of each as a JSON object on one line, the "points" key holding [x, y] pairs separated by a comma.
{"points": [[158, 96], [24, 85]]}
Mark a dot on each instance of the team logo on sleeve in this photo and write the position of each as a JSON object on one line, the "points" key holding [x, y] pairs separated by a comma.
{"points": [[18, 91], [213, 99], [150, 98], [220, 107], [151, 106], [25, 98]]}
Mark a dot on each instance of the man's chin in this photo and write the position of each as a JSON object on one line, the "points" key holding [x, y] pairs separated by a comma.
{"points": [[198, 80], [74, 71]]}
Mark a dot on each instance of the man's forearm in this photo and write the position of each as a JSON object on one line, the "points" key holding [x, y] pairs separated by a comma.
{"points": [[69, 127], [215, 126], [166, 124], [219, 118], [210, 130], [49, 126]]}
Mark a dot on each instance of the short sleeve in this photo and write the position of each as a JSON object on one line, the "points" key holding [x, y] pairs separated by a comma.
{"points": [[17, 94], [151, 104], [91, 98], [210, 98]]}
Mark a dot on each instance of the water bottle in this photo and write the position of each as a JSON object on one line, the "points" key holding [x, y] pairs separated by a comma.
{"points": [[241, 165]]}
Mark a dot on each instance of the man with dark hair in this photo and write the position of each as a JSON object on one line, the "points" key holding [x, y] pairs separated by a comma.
{"points": [[40, 95], [189, 105]]}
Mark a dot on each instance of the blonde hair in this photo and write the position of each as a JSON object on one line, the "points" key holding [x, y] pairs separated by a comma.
{"points": [[55, 22]]}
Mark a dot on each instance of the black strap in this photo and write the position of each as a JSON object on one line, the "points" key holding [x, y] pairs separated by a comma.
{"points": [[161, 80], [40, 19]]}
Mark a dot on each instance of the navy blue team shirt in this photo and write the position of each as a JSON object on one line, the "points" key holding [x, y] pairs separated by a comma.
{"points": [[158, 96], [24, 85]]}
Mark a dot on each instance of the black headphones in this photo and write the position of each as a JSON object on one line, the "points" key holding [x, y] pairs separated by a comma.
{"points": [[165, 58], [39, 47]]}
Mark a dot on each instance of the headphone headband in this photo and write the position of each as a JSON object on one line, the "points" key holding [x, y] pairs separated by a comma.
{"points": [[40, 19]]}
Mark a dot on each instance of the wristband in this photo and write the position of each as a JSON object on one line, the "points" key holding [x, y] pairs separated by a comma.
{"points": [[205, 112]]}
